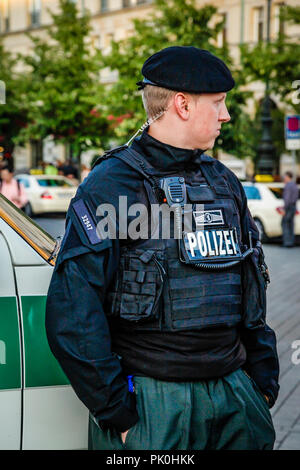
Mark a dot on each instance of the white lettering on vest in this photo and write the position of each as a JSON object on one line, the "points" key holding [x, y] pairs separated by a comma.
{"points": [[221, 250], [202, 243], [232, 241], [86, 222], [215, 242], [192, 242], [211, 252], [227, 243]]}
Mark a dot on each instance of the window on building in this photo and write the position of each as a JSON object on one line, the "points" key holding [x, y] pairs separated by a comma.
{"points": [[278, 22], [139, 2], [222, 36], [34, 13], [126, 3], [4, 16], [104, 5], [258, 24]]}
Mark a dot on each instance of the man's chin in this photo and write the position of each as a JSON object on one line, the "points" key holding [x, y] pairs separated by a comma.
{"points": [[210, 145]]}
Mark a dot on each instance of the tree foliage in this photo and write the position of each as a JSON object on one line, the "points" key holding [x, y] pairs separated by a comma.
{"points": [[63, 84], [276, 61], [12, 112], [176, 22]]}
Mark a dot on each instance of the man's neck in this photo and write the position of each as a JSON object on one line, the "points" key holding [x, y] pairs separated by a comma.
{"points": [[168, 135]]}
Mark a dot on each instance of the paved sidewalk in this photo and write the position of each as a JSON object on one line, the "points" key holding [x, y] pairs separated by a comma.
{"points": [[283, 315]]}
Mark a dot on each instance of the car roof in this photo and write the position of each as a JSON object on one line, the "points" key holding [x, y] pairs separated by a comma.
{"points": [[59, 177], [273, 184], [48, 177]]}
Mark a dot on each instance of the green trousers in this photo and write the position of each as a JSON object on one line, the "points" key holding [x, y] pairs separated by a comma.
{"points": [[226, 413]]}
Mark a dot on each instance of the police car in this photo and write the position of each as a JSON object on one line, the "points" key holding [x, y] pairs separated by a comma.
{"points": [[38, 407]]}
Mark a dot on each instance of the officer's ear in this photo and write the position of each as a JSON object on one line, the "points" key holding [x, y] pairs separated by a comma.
{"points": [[182, 105]]}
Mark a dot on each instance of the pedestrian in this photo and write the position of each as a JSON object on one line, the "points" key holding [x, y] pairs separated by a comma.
{"points": [[11, 188], [164, 337], [69, 169], [59, 166], [290, 196]]}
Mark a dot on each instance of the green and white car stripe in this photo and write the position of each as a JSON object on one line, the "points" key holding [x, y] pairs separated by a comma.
{"points": [[37, 351], [10, 368], [38, 407]]}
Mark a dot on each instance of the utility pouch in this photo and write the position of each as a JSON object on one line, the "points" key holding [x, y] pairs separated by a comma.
{"points": [[254, 294], [138, 287]]}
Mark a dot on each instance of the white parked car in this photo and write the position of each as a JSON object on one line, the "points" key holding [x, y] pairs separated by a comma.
{"points": [[38, 407], [47, 193], [265, 203]]}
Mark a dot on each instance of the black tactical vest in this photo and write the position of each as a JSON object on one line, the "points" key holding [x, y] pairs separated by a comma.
{"points": [[161, 284]]}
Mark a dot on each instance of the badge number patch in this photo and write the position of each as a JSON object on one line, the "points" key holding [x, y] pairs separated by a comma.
{"points": [[86, 220], [209, 217], [211, 245]]}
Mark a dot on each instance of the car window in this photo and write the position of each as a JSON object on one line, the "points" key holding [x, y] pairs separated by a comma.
{"points": [[278, 192], [51, 182], [252, 192], [32, 233], [25, 182]]}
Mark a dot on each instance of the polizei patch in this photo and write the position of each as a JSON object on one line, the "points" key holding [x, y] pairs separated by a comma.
{"points": [[86, 220], [209, 217], [211, 245]]}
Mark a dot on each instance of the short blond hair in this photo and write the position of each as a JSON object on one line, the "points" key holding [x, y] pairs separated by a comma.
{"points": [[156, 99]]}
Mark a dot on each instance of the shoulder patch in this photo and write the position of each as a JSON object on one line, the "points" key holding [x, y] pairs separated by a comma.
{"points": [[86, 220]]}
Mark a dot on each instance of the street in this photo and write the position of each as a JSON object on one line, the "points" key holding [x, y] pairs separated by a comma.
{"points": [[283, 301]]}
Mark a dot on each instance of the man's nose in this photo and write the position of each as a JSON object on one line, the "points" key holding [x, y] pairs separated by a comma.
{"points": [[224, 114]]}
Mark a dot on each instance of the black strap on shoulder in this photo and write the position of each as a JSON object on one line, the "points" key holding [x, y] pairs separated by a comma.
{"points": [[141, 165], [107, 154], [137, 162], [214, 178]]}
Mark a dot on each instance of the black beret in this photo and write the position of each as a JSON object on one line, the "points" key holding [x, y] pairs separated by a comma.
{"points": [[187, 68]]}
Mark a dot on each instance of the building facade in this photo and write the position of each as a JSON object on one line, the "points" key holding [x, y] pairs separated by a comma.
{"points": [[245, 21]]}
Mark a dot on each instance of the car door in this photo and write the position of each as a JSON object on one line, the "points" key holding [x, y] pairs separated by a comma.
{"points": [[53, 416], [38, 407], [10, 355]]}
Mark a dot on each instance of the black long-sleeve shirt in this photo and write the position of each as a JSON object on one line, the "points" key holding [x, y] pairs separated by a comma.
{"points": [[77, 328]]}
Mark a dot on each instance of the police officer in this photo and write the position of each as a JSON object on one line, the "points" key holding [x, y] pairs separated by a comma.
{"points": [[164, 338]]}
